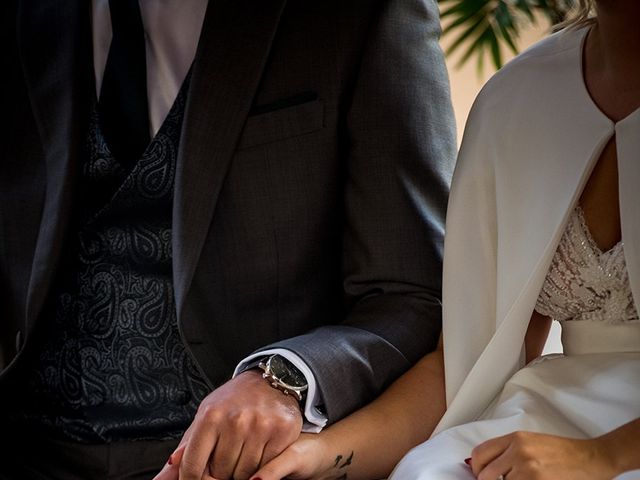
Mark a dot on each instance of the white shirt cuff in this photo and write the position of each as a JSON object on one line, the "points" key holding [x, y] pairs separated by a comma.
{"points": [[314, 419]]}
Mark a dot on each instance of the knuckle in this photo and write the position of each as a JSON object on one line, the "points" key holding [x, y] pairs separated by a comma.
{"points": [[519, 437], [242, 421], [285, 423], [526, 453], [524, 449], [477, 450], [265, 424], [293, 419], [210, 414]]}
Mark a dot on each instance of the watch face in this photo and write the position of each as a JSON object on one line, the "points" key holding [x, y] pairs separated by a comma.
{"points": [[286, 372]]}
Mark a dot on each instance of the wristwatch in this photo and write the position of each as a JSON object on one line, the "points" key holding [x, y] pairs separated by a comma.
{"points": [[284, 376]]}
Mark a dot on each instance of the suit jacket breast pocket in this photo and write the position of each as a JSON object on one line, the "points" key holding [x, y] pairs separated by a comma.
{"points": [[284, 119]]}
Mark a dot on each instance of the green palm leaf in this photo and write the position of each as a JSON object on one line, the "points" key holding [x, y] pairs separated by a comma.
{"points": [[485, 27]]}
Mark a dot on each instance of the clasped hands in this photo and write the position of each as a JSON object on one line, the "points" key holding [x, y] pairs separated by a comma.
{"points": [[246, 429], [238, 427]]}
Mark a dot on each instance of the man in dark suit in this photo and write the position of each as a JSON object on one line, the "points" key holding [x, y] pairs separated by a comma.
{"points": [[260, 188]]}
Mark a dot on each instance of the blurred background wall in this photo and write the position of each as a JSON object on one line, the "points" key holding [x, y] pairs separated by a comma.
{"points": [[466, 80]]}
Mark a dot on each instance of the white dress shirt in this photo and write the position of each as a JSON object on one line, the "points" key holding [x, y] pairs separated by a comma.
{"points": [[172, 29]]}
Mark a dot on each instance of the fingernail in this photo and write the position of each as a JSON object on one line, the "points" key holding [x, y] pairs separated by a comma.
{"points": [[170, 461], [468, 461]]}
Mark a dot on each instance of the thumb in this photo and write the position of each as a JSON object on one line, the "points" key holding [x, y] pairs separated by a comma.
{"points": [[284, 465]]}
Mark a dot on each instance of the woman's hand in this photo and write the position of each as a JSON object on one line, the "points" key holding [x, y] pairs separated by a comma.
{"points": [[310, 457], [534, 456]]}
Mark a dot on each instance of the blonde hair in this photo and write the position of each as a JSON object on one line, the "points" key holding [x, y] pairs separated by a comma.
{"points": [[582, 14]]}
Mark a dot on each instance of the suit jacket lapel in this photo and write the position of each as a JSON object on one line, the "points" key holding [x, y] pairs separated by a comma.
{"points": [[234, 44], [55, 50]]}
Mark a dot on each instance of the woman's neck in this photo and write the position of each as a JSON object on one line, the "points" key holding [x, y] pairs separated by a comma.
{"points": [[619, 31], [612, 63]]}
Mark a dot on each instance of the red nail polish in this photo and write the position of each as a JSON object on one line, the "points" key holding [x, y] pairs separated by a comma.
{"points": [[170, 461], [468, 461]]}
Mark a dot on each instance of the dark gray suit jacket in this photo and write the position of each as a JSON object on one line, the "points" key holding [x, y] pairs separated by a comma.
{"points": [[312, 178]]}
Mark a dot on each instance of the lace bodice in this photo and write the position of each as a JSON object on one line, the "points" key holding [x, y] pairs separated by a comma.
{"points": [[585, 283]]}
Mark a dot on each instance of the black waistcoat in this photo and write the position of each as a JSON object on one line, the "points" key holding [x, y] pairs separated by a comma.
{"points": [[112, 365]]}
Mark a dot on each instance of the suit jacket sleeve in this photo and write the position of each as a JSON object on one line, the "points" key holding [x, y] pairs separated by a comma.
{"points": [[400, 160]]}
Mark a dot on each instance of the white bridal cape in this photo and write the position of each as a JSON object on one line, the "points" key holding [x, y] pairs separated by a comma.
{"points": [[532, 139]]}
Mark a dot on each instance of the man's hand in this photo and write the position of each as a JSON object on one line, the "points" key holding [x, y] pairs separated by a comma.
{"points": [[238, 427]]}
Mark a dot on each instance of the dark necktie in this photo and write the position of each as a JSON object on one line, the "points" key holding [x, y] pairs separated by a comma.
{"points": [[123, 102]]}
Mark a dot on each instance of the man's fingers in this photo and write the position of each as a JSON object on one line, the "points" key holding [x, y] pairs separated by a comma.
{"points": [[250, 458], [200, 445], [224, 458], [238, 427], [241, 446], [257, 440]]}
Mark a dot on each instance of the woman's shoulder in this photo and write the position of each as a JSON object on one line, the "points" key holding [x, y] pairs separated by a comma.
{"points": [[515, 109], [528, 75]]}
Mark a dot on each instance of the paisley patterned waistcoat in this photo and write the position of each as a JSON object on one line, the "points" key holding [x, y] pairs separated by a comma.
{"points": [[112, 365]]}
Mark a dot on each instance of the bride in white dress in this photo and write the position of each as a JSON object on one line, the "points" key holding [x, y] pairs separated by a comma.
{"points": [[543, 222]]}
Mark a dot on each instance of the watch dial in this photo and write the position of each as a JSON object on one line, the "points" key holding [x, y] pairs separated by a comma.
{"points": [[287, 372]]}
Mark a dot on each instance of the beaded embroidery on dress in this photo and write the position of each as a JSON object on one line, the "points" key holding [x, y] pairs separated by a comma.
{"points": [[585, 283]]}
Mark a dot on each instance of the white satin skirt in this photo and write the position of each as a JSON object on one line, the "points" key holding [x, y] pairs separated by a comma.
{"points": [[579, 396]]}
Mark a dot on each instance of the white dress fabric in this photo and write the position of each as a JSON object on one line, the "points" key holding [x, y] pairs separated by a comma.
{"points": [[516, 240]]}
